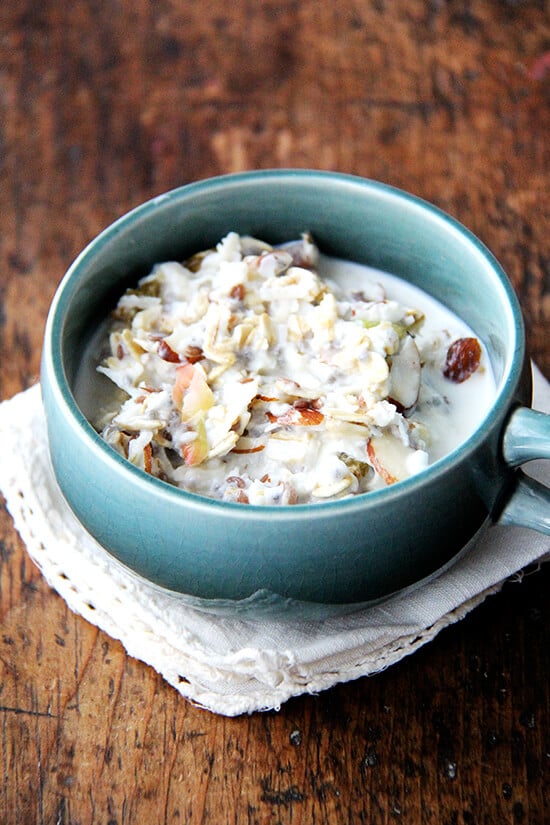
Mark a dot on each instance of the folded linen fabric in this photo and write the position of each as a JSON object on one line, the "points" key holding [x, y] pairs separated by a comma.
{"points": [[229, 663]]}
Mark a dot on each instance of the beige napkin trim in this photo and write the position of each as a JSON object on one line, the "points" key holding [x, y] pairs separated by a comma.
{"points": [[233, 665]]}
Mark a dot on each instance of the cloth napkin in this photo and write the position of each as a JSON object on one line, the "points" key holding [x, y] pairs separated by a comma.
{"points": [[228, 663]]}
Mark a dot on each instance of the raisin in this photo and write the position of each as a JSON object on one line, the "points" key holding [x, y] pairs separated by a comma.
{"points": [[463, 357]]}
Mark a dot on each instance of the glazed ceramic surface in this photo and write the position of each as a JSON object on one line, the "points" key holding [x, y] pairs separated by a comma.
{"points": [[343, 552]]}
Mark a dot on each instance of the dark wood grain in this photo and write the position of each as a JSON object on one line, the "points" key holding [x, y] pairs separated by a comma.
{"points": [[103, 105]]}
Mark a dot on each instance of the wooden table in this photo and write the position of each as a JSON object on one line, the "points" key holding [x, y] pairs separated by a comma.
{"points": [[104, 105]]}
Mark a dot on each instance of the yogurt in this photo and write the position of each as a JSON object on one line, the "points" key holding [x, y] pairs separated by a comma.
{"points": [[277, 376]]}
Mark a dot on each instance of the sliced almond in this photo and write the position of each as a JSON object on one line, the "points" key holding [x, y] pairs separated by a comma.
{"points": [[405, 375], [304, 416], [388, 455]]}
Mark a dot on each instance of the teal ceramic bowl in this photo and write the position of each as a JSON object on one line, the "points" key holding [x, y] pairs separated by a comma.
{"points": [[332, 556]]}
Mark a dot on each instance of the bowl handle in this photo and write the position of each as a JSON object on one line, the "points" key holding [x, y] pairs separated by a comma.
{"points": [[527, 437]]}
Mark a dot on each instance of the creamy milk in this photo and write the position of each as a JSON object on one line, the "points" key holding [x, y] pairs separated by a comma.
{"points": [[468, 403]]}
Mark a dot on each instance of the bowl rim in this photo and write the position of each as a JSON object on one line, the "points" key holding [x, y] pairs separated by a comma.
{"points": [[53, 366]]}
